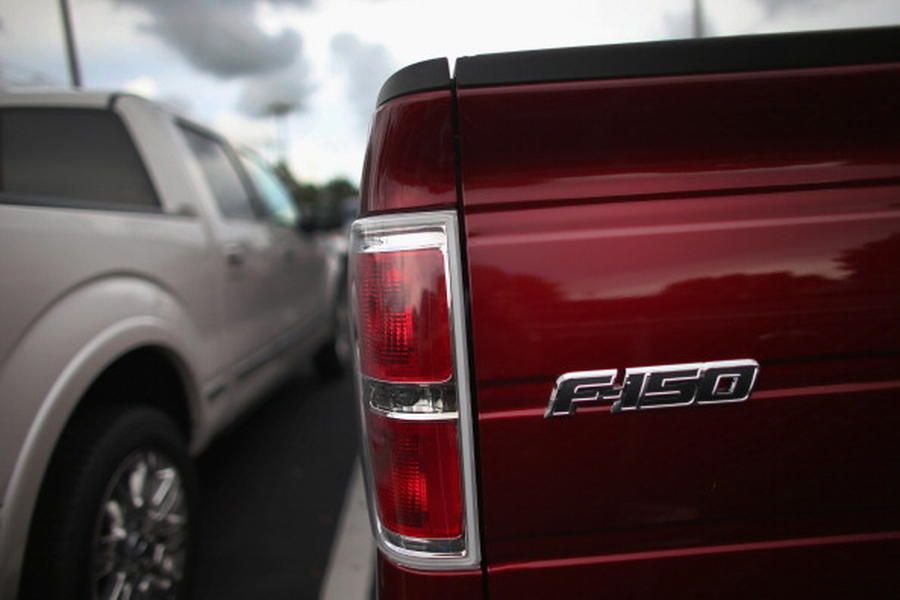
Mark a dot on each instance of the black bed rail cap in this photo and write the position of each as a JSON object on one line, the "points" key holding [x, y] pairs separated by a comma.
{"points": [[680, 57], [424, 76]]}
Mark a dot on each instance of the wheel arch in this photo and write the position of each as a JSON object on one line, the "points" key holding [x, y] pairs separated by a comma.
{"points": [[109, 358], [155, 367]]}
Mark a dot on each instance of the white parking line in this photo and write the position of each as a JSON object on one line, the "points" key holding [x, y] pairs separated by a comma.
{"points": [[350, 566]]}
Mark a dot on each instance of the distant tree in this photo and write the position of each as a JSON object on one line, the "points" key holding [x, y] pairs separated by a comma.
{"points": [[339, 188], [325, 203], [329, 207]]}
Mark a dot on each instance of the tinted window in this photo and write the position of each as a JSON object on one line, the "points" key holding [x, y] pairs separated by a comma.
{"points": [[224, 182], [277, 200], [68, 156]]}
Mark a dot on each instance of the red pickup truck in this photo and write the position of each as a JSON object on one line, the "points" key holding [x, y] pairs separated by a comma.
{"points": [[627, 321]]}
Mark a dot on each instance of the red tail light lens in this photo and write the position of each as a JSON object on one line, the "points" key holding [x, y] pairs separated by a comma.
{"points": [[404, 318], [417, 424], [415, 468]]}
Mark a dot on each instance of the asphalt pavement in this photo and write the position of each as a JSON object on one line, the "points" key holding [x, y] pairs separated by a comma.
{"points": [[272, 491]]}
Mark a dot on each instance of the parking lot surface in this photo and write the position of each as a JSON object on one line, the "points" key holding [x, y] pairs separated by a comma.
{"points": [[272, 490]]}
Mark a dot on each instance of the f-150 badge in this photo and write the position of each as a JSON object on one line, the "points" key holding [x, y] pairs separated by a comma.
{"points": [[688, 384]]}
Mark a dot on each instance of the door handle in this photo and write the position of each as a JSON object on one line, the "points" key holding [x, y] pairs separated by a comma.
{"points": [[235, 254]]}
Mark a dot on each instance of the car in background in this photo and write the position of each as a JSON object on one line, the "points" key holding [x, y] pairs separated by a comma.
{"points": [[156, 284]]}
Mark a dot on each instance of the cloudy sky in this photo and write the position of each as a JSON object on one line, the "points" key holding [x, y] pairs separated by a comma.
{"points": [[230, 63]]}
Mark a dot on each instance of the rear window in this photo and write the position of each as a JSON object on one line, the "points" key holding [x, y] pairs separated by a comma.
{"points": [[226, 185], [76, 157]]}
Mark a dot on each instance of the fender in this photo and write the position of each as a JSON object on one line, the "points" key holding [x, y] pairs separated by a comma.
{"points": [[53, 365]]}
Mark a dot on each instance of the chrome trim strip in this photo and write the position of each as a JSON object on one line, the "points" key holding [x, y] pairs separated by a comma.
{"points": [[414, 416], [396, 242], [401, 232], [424, 548], [374, 391]]}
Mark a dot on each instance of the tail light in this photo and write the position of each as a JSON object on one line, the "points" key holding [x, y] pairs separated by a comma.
{"points": [[412, 378]]}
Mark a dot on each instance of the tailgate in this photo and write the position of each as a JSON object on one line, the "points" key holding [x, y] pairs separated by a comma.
{"points": [[632, 222]]}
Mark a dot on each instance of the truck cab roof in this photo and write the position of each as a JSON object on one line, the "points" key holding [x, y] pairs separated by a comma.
{"points": [[57, 97]]}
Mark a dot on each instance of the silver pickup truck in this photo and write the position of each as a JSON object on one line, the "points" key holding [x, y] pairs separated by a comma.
{"points": [[154, 284]]}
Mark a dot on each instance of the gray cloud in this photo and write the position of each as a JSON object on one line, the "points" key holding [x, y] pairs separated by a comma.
{"points": [[278, 92], [774, 7], [678, 25], [13, 75], [221, 38], [365, 66]]}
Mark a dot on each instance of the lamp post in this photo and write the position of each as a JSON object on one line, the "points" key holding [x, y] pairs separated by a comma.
{"points": [[281, 112], [697, 21], [71, 53]]}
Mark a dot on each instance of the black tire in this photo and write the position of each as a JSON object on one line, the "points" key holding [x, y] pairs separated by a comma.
{"points": [[93, 450], [334, 357]]}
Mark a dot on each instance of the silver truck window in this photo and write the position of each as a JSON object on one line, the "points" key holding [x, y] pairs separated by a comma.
{"points": [[224, 181], [45, 159], [276, 199]]}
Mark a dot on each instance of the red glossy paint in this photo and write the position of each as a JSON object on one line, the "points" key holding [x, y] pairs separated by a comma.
{"points": [[664, 136], [685, 219], [833, 567], [410, 161], [399, 583]]}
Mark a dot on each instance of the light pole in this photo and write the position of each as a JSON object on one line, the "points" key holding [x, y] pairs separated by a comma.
{"points": [[71, 53], [281, 111], [697, 21]]}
